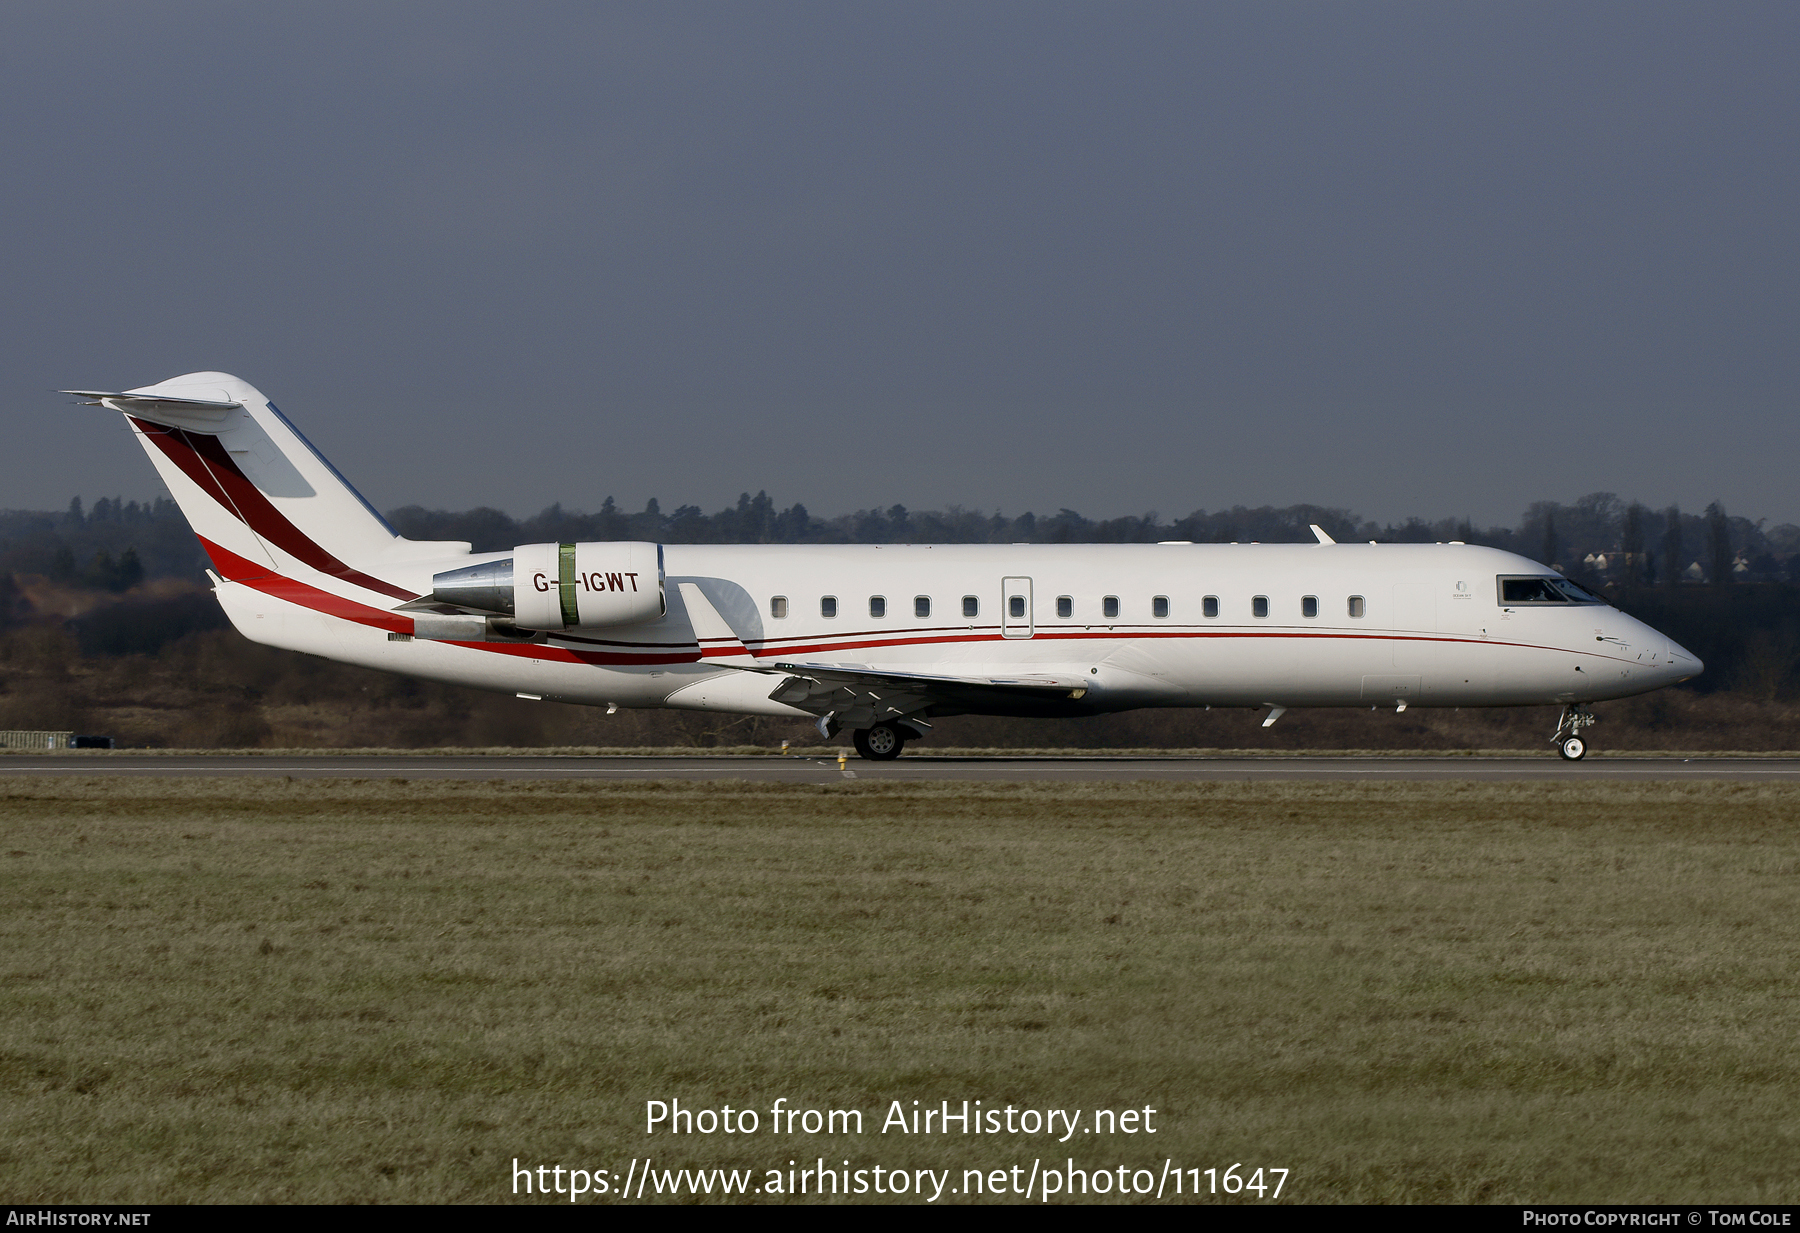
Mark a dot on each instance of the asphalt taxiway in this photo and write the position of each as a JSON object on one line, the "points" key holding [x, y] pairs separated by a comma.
{"points": [[913, 767]]}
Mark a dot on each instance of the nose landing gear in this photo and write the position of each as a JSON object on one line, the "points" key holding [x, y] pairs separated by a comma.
{"points": [[1567, 737]]}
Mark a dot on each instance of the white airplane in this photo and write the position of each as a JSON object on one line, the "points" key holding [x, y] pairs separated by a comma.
{"points": [[877, 639]]}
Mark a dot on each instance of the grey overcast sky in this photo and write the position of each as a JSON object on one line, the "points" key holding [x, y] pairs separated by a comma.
{"points": [[1440, 259]]}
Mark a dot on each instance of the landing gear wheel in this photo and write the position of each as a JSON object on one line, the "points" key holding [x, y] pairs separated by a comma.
{"points": [[882, 743], [1567, 737]]}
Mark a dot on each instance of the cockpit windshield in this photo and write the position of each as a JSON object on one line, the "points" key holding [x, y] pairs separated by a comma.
{"points": [[1544, 590]]}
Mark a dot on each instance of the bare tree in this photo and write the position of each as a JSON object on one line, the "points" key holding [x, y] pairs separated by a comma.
{"points": [[1672, 553], [1768, 663], [1718, 532], [1631, 542]]}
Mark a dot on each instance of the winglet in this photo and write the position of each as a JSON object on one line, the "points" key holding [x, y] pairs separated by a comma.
{"points": [[719, 643], [1320, 532]]}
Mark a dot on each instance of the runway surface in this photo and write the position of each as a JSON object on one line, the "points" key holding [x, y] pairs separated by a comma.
{"points": [[924, 768]]}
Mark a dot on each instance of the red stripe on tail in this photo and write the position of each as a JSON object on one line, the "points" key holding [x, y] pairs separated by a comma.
{"points": [[204, 460], [234, 568]]}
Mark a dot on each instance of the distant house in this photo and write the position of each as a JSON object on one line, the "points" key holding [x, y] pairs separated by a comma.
{"points": [[29, 739], [34, 739]]}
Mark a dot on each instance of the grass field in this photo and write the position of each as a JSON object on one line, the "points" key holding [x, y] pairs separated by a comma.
{"points": [[233, 990]]}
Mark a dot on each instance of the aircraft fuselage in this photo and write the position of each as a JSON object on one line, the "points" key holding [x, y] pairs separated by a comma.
{"points": [[1389, 624]]}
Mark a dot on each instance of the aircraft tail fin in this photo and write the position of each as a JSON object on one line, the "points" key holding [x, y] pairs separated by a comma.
{"points": [[253, 488]]}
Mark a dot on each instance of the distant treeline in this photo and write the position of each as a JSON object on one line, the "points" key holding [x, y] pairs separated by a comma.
{"points": [[156, 665], [1564, 535], [1600, 537], [1749, 635], [112, 547]]}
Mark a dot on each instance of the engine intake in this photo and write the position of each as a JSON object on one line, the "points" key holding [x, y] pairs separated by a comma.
{"points": [[562, 586]]}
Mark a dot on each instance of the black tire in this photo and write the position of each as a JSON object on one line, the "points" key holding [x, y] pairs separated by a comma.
{"points": [[1572, 748], [882, 743]]}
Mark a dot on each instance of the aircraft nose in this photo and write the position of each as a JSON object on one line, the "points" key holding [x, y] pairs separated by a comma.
{"points": [[1683, 663]]}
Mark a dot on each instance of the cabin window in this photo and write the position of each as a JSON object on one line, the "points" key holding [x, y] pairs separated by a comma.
{"points": [[1015, 605], [878, 606], [971, 606], [1358, 607], [1210, 606], [778, 607], [1065, 606], [1309, 606], [828, 606], [1159, 607], [921, 606], [1259, 606], [1109, 607]]}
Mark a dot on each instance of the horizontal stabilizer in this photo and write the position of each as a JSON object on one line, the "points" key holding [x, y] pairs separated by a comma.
{"points": [[156, 407]]}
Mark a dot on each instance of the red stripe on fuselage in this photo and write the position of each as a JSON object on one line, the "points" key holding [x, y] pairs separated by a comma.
{"points": [[203, 459], [539, 650], [765, 650]]}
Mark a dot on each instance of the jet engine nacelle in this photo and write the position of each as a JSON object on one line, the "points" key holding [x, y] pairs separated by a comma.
{"points": [[562, 586]]}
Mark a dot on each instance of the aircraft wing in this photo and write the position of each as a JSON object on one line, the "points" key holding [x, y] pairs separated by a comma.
{"points": [[858, 695], [856, 674]]}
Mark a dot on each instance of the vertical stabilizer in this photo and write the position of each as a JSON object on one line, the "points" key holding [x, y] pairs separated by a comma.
{"points": [[256, 492]]}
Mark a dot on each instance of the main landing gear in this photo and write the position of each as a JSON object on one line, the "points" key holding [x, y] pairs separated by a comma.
{"points": [[1567, 737], [882, 743]]}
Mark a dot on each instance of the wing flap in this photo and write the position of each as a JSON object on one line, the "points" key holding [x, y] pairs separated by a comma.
{"points": [[856, 674], [858, 695]]}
